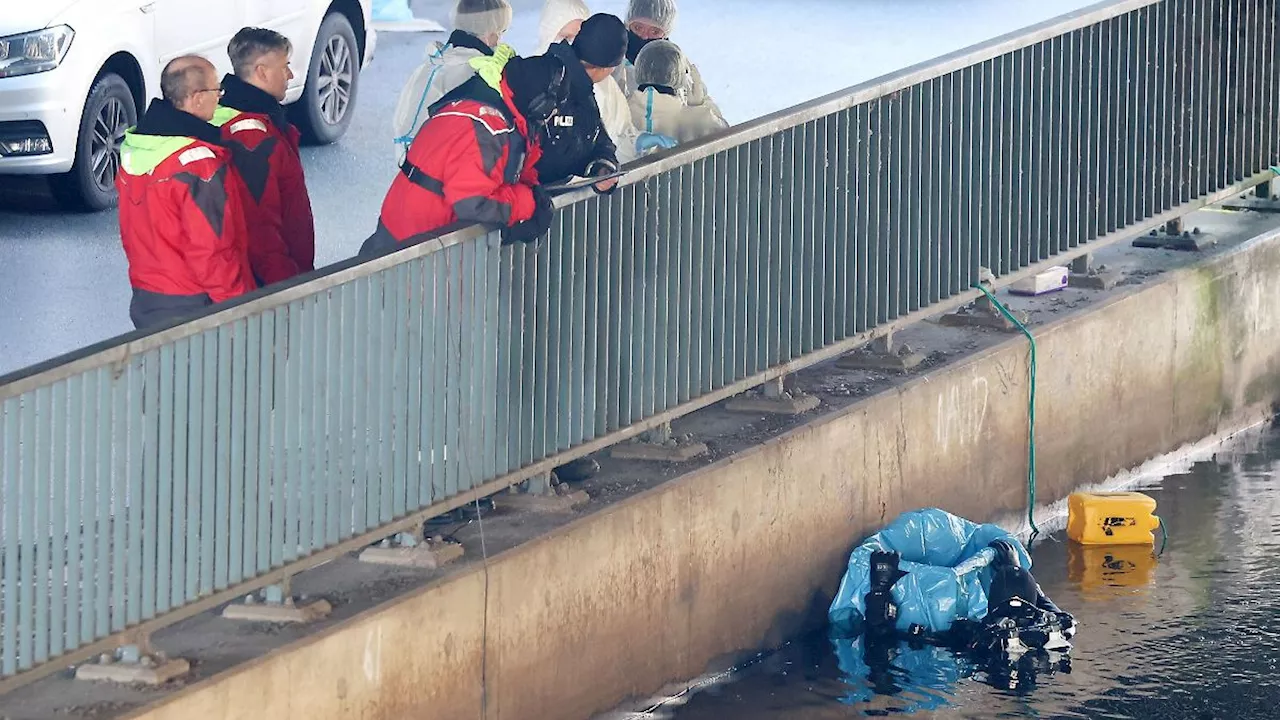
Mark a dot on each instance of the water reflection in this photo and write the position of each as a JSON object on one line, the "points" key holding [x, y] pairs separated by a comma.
{"points": [[1192, 634]]}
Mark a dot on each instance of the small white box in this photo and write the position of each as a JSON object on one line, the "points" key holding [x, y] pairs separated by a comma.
{"points": [[1050, 280]]}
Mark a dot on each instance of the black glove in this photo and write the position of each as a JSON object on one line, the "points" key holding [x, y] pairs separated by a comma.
{"points": [[602, 166], [528, 231]]}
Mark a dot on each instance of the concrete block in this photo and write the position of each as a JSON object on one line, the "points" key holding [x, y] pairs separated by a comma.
{"points": [[148, 672], [285, 612], [903, 360], [786, 405], [994, 319], [544, 503], [426, 556], [1096, 280], [1047, 281], [667, 452]]}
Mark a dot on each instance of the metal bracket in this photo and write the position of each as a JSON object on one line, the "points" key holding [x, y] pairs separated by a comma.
{"points": [[1264, 199], [406, 549], [981, 313], [276, 604], [774, 398], [882, 354], [1175, 236], [543, 493], [660, 444], [1087, 277], [135, 662]]}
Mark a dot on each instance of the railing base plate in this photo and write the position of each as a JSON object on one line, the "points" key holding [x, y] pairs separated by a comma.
{"points": [[544, 503], [278, 613], [427, 556], [134, 673], [1096, 280], [682, 452], [789, 404]]}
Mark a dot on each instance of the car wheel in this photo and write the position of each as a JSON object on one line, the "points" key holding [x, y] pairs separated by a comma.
{"points": [[325, 108], [91, 183]]}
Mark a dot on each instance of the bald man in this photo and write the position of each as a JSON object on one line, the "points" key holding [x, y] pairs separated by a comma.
{"points": [[182, 215]]}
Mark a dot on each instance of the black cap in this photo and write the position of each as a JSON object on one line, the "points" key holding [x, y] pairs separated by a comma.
{"points": [[537, 85], [602, 41]]}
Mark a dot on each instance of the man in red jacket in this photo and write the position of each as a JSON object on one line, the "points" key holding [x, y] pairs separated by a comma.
{"points": [[181, 217], [264, 148], [473, 160]]}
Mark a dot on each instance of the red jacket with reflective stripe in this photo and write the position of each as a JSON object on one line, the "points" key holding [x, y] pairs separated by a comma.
{"points": [[181, 219], [282, 228], [480, 163]]}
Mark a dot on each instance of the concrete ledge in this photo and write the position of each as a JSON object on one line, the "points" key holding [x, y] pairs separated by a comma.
{"points": [[745, 552]]}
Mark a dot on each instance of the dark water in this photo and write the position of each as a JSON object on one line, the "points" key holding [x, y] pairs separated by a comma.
{"points": [[1192, 634]]}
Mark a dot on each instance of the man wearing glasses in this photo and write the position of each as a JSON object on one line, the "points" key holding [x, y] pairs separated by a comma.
{"points": [[182, 220], [264, 148]]}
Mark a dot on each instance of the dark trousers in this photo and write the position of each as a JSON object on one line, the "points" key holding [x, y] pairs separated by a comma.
{"points": [[150, 309]]}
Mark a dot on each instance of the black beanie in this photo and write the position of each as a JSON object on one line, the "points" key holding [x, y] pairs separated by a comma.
{"points": [[532, 77], [602, 41]]}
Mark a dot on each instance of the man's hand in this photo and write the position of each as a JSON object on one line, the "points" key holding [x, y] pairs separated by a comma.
{"points": [[535, 227], [603, 166]]}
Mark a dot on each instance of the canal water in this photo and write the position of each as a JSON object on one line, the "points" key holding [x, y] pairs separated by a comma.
{"points": [[1194, 633]]}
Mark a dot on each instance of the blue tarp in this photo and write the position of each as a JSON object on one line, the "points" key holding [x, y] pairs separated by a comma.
{"points": [[945, 559], [391, 11]]}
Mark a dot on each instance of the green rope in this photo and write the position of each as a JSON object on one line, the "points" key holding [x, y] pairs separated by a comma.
{"points": [[1031, 412]]}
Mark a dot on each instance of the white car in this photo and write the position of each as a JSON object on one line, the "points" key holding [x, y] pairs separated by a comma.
{"points": [[74, 74]]}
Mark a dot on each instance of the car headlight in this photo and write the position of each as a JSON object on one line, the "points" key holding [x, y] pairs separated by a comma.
{"points": [[34, 52]]}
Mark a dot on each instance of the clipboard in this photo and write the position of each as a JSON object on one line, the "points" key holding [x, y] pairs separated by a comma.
{"points": [[576, 183]]}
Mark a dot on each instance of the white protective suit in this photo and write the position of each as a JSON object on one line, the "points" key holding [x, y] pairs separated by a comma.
{"points": [[446, 66], [662, 14], [662, 63], [614, 113], [656, 112]]}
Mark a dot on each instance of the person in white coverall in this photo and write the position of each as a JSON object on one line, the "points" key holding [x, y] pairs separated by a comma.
{"points": [[561, 20], [478, 28], [647, 21], [658, 106]]}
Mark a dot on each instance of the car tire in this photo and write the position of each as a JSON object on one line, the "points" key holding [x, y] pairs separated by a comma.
{"points": [[324, 111], [108, 112]]}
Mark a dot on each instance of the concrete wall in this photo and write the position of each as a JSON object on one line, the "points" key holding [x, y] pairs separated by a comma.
{"points": [[742, 553]]}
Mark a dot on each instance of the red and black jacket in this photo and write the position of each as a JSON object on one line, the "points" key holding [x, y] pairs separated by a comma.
{"points": [[472, 161], [264, 148], [181, 217]]}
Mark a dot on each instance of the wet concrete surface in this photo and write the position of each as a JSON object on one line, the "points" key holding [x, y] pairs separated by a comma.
{"points": [[214, 644], [63, 281]]}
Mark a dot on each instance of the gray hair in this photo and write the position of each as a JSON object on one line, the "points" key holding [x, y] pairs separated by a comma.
{"points": [[249, 45]]}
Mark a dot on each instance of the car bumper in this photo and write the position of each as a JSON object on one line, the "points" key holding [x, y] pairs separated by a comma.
{"points": [[36, 98]]}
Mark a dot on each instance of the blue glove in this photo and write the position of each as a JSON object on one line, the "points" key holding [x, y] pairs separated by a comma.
{"points": [[648, 142]]}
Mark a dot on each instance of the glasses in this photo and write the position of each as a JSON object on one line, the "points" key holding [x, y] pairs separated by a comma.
{"points": [[219, 90]]}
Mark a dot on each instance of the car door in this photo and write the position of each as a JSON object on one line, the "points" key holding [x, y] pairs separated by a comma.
{"points": [[295, 20], [199, 27]]}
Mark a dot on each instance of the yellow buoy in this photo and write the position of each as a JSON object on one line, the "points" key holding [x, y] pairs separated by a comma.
{"points": [[1119, 518]]}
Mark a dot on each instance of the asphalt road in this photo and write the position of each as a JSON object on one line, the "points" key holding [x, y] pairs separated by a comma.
{"points": [[63, 281]]}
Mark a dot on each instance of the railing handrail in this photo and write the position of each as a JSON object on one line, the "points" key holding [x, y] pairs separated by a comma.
{"points": [[121, 347]]}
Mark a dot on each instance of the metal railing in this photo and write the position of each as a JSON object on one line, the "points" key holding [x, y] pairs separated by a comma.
{"points": [[156, 476]]}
